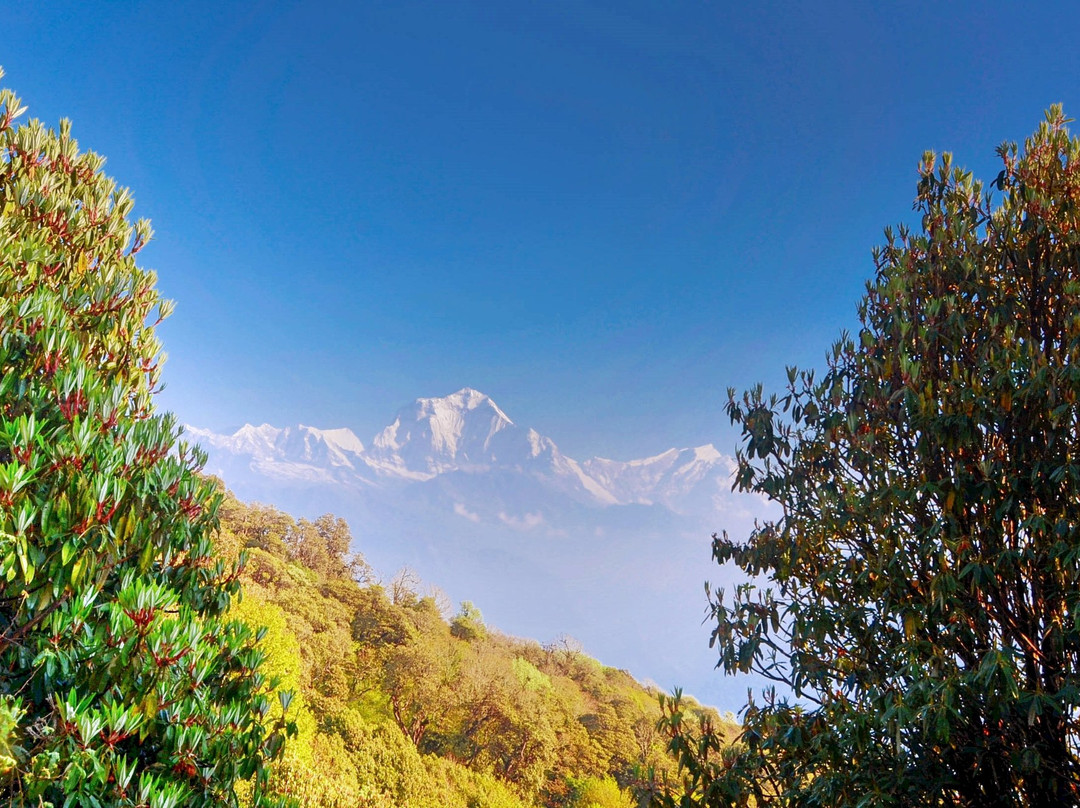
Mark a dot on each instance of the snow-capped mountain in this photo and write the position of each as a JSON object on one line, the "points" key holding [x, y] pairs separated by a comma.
{"points": [[467, 433]]}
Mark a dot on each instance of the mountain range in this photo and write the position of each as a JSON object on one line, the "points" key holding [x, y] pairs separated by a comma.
{"points": [[465, 432], [613, 552]]}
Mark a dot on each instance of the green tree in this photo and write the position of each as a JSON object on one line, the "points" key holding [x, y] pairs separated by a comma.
{"points": [[256, 525], [422, 679], [504, 717], [323, 546], [923, 610], [468, 623], [122, 681]]}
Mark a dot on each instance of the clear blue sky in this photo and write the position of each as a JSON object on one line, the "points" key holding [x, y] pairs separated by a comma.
{"points": [[601, 214]]}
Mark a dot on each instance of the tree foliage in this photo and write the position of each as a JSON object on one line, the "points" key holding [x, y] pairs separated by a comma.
{"points": [[121, 680], [468, 623], [922, 614], [323, 546]]}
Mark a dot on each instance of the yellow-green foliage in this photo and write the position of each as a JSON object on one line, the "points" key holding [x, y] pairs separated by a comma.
{"points": [[278, 643], [528, 675], [461, 787], [396, 706], [599, 792]]}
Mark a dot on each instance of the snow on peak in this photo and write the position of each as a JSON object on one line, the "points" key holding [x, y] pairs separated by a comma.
{"points": [[707, 454], [265, 430], [538, 444], [434, 434], [341, 438], [668, 477], [333, 448], [257, 441], [300, 451], [463, 401]]}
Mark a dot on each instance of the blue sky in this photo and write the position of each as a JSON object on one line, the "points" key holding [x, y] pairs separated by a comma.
{"points": [[601, 214]]}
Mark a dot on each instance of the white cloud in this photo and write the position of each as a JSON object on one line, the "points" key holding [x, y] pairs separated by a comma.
{"points": [[461, 510], [526, 522]]}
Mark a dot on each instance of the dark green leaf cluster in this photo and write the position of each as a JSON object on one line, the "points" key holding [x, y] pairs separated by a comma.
{"points": [[922, 615], [121, 681]]}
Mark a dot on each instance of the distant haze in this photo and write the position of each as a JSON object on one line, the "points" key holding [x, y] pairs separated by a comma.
{"points": [[614, 553]]}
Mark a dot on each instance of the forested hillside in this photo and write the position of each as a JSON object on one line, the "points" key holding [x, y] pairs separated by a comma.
{"points": [[400, 703]]}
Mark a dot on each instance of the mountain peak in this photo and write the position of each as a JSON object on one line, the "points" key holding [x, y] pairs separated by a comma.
{"points": [[435, 434], [464, 400], [342, 438], [251, 429], [469, 393]]}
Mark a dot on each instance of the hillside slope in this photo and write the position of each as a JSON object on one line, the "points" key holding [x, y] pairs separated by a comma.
{"points": [[399, 703]]}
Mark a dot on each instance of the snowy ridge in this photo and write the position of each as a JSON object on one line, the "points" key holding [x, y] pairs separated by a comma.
{"points": [[662, 478]]}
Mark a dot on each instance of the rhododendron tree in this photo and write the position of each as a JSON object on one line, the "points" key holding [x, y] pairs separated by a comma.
{"points": [[917, 603], [121, 680]]}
